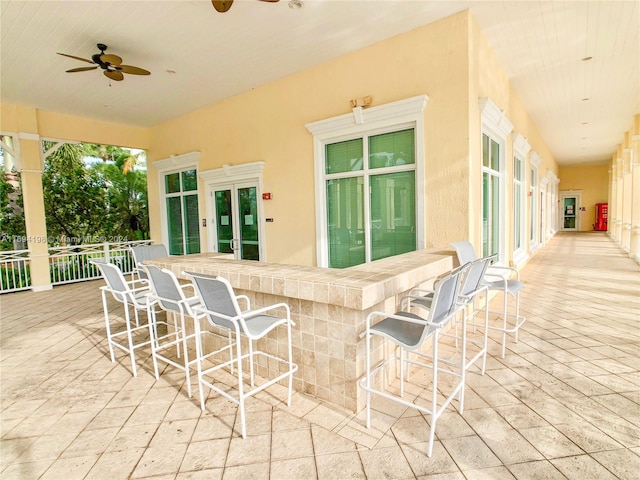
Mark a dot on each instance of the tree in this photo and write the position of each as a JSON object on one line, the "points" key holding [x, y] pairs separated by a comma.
{"points": [[128, 215], [12, 224], [74, 195]]}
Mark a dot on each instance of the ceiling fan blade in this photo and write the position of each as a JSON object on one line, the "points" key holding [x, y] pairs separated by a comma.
{"points": [[270, 1], [222, 5], [81, 69], [114, 75], [131, 69], [110, 58], [73, 56]]}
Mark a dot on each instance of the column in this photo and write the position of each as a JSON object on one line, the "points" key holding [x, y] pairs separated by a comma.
{"points": [[634, 244], [614, 199], [619, 195], [610, 197], [35, 223], [626, 193]]}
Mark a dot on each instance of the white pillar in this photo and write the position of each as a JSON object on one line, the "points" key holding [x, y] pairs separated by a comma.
{"points": [[634, 241], [619, 197]]}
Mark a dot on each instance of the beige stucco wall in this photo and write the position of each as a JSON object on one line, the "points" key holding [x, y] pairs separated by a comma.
{"points": [[268, 124], [488, 79], [58, 126], [593, 183], [449, 60]]}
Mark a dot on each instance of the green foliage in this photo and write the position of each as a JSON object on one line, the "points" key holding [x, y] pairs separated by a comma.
{"points": [[14, 277], [74, 196], [128, 215], [11, 212], [84, 203], [101, 201]]}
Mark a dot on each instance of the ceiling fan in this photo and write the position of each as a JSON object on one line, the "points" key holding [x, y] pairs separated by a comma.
{"points": [[111, 64], [224, 5]]}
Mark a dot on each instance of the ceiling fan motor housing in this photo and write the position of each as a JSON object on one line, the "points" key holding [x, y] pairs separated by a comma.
{"points": [[96, 57]]}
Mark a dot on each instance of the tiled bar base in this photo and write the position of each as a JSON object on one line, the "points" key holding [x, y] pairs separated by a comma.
{"points": [[329, 307]]}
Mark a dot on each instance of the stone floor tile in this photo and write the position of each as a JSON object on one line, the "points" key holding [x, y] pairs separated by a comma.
{"points": [[209, 474], [550, 442], [293, 469], [444, 476], [439, 462], [587, 437], [511, 447], [70, 468], [623, 463], [339, 465], [492, 473], [132, 436], [386, 462], [26, 470], [115, 464], [291, 444], [538, 470], [521, 416], [253, 449], [254, 471], [471, 453], [582, 467], [205, 455], [326, 441], [162, 460], [91, 442], [175, 431]]}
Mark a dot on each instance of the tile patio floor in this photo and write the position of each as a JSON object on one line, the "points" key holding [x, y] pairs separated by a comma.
{"points": [[564, 403]]}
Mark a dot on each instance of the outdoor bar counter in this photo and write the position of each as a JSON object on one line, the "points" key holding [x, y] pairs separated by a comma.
{"points": [[329, 307]]}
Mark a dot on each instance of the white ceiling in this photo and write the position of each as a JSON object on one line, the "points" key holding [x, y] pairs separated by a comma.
{"points": [[217, 55]]}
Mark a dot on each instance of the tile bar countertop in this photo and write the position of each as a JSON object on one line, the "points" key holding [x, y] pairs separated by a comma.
{"points": [[329, 306], [359, 287]]}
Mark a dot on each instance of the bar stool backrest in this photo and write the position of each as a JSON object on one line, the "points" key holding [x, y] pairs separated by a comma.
{"points": [[165, 286], [115, 281], [217, 296]]}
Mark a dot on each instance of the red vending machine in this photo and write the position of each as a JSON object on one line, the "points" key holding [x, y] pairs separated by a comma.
{"points": [[602, 212]]}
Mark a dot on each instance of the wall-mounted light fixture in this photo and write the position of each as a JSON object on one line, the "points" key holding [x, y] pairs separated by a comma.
{"points": [[360, 102]]}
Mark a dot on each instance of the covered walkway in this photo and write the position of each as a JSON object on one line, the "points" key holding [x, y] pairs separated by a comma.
{"points": [[564, 403]]}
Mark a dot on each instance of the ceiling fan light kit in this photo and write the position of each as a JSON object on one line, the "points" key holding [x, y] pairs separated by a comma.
{"points": [[110, 64]]}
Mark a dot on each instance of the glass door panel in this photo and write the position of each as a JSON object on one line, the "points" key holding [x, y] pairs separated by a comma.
{"points": [[248, 206], [224, 220], [192, 224], [174, 218], [237, 221]]}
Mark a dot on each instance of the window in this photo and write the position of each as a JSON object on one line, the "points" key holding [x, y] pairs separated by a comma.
{"points": [[181, 191], [178, 185], [495, 128], [521, 148], [364, 227], [518, 203], [491, 178], [535, 160], [368, 169]]}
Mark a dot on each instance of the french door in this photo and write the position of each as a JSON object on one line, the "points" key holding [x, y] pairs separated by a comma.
{"points": [[237, 220]]}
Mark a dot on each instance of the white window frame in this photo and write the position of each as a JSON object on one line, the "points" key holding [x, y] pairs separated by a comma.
{"points": [[230, 176], [534, 185], [498, 127], [175, 164], [394, 116], [521, 149]]}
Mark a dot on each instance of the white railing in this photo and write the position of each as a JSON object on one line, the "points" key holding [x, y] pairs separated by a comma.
{"points": [[71, 263], [14, 271]]}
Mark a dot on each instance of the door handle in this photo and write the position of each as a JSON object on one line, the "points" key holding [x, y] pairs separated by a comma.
{"points": [[234, 244]]}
